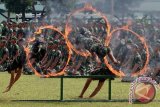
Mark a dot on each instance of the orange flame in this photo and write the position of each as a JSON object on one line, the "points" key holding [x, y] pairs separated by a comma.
{"points": [[68, 28], [118, 73], [144, 69], [109, 35], [31, 39], [88, 6], [39, 31], [27, 50], [68, 31]]}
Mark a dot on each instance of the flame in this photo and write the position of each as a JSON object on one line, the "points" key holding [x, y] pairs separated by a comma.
{"points": [[27, 50], [31, 39], [143, 41], [129, 23], [82, 53], [68, 31], [88, 6], [39, 31], [118, 73], [68, 28]]}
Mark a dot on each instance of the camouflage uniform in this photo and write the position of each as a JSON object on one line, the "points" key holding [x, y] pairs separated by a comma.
{"points": [[14, 48], [52, 54], [4, 51], [101, 51], [137, 60], [37, 51]]}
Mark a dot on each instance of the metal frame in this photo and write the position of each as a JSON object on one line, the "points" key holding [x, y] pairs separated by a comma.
{"points": [[109, 77]]}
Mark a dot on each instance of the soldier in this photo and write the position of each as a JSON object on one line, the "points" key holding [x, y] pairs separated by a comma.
{"points": [[14, 64], [137, 60], [4, 54], [4, 29], [98, 53], [55, 57], [36, 56], [65, 52], [76, 67], [20, 34], [154, 69], [46, 56], [123, 50], [52, 57], [22, 56]]}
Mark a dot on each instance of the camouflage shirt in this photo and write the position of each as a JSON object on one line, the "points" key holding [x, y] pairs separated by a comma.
{"points": [[100, 50], [13, 50], [3, 51], [137, 60]]}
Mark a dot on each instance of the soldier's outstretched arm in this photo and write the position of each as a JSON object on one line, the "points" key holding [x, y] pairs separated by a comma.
{"points": [[113, 59]]}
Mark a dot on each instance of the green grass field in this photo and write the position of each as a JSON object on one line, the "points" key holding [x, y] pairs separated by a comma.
{"points": [[35, 88]]}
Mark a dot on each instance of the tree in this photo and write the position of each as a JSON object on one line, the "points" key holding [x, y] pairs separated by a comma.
{"points": [[17, 6]]}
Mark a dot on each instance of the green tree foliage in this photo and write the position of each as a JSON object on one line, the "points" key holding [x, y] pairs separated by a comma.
{"points": [[18, 6]]}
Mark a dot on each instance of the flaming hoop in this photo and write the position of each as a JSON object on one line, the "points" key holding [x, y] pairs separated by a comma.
{"points": [[120, 73], [27, 50], [68, 28]]}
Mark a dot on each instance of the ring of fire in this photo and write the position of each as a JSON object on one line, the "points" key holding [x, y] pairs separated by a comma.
{"points": [[68, 28], [120, 73], [27, 50]]}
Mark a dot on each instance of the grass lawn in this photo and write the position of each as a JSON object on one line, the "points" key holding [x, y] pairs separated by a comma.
{"points": [[35, 88]]}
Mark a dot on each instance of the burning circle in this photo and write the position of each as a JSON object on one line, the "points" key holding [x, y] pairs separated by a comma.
{"points": [[68, 28], [27, 49], [142, 40]]}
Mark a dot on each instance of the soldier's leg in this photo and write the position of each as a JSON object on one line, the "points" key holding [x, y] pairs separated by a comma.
{"points": [[85, 87], [11, 81], [97, 89], [18, 74]]}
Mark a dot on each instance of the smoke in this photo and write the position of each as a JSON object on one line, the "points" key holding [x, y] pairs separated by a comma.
{"points": [[122, 10], [119, 8], [60, 8]]}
